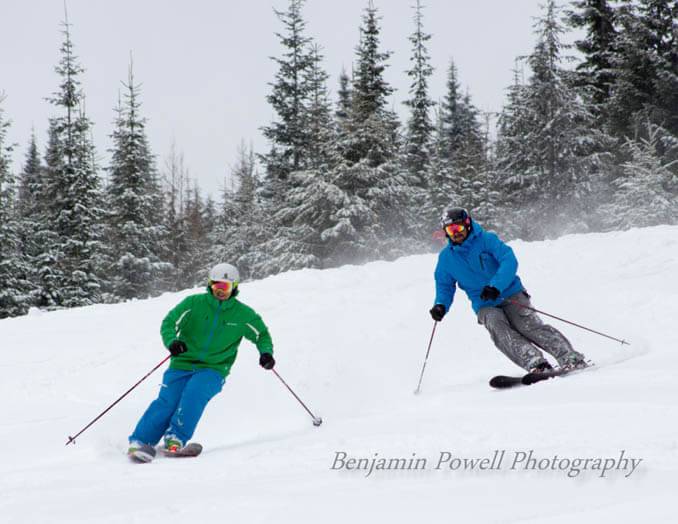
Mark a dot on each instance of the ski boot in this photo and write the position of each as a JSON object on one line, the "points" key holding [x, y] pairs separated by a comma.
{"points": [[140, 452], [541, 367], [573, 361], [172, 444]]}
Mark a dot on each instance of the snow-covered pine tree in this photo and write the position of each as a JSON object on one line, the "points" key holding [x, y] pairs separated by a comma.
{"points": [[30, 209], [595, 71], [134, 204], [14, 299], [344, 102], [370, 171], [645, 68], [460, 147], [418, 140], [30, 179], [303, 216], [197, 232], [419, 125], [561, 147], [75, 210], [442, 184], [175, 241], [290, 90], [518, 183], [646, 192], [240, 231], [660, 18]]}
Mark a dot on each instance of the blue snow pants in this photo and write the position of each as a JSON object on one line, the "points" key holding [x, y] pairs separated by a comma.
{"points": [[179, 406]]}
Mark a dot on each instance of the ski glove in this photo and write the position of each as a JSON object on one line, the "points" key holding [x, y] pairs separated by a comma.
{"points": [[266, 361], [177, 347], [437, 312], [489, 293]]}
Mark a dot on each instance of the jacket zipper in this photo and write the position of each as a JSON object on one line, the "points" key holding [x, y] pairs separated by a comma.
{"points": [[203, 353]]}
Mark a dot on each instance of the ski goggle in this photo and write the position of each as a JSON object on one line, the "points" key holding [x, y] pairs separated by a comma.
{"points": [[223, 286], [452, 229]]}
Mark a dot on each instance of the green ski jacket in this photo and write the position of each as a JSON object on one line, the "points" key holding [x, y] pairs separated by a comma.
{"points": [[212, 331]]}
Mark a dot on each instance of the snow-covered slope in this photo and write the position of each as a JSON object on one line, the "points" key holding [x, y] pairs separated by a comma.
{"points": [[351, 341]]}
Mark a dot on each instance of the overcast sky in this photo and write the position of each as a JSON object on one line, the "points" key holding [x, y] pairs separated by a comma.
{"points": [[205, 65]]}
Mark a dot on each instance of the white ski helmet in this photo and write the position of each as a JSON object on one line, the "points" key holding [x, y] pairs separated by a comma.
{"points": [[224, 273]]}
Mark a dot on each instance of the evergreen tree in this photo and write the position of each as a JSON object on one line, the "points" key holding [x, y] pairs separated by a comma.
{"points": [[72, 182], [375, 220], [559, 143], [175, 240], [318, 116], [197, 232], [134, 212], [645, 68], [13, 270], [597, 46], [30, 206], [290, 91], [344, 101], [299, 220], [30, 181], [646, 193], [241, 231], [459, 149], [371, 123], [420, 126]]}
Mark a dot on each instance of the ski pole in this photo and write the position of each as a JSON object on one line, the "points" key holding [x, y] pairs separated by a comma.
{"points": [[416, 391], [513, 301], [72, 439], [316, 420]]}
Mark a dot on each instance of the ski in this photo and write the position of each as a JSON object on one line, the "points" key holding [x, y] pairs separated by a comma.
{"points": [[504, 382], [189, 450]]}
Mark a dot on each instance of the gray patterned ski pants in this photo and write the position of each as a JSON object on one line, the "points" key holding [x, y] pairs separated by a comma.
{"points": [[516, 331]]}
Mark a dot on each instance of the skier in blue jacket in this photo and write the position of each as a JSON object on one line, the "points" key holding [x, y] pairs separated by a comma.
{"points": [[485, 268]]}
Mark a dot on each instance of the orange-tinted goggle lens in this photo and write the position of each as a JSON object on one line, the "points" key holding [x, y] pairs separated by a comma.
{"points": [[222, 286], [452, 229]]}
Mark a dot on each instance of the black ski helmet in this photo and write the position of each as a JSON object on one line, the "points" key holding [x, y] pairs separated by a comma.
{"points": [[456, 215]]}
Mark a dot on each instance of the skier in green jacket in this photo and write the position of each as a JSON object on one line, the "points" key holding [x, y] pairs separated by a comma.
{"points": [[202, 333]]}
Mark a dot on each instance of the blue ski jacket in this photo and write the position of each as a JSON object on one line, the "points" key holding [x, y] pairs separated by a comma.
{"points": [[481, 260]]}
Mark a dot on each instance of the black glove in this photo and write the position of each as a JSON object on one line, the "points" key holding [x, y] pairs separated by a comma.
{"points": [[266, 361], [177, 347], [437, 312], [489, 293]]}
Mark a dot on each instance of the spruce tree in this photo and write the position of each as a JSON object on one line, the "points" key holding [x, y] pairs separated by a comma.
{"points": [[290, 90], [72, 182], [646, 192], [460, 150], [419, 126], [30, 209], [240, 231], [560, 145], [595, 71], [197, 232], [375, 220], [301, 218], [645, 66], [30, 180], [175, 240], [14, 299], [134, 211]]}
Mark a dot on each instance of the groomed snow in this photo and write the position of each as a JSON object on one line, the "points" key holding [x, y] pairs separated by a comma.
{"points": [[351, 341]]}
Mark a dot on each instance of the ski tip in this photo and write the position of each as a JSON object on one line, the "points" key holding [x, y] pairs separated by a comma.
{"points": [[503, 382]]}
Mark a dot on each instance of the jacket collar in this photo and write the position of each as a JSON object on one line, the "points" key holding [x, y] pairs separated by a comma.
{"points": [[219, 304]]}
